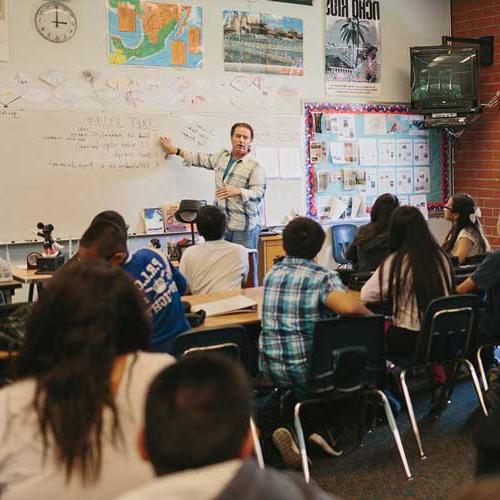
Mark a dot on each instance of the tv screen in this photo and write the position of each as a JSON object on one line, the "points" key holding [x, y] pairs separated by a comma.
{"points": [[444, 78]]}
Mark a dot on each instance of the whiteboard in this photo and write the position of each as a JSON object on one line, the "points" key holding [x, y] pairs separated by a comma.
{"points": [[63, 167]]}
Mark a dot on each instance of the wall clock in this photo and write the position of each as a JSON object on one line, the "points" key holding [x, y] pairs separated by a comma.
{"points": [[55, 22]]}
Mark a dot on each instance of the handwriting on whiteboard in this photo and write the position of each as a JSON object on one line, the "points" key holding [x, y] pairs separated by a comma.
{"points": [[197, 135], [104, 142]]}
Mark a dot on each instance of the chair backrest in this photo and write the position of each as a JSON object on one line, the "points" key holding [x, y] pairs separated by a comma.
{"points": [[447, 328], [228, 340], [342, 237], [347, 354], [13, 324]]}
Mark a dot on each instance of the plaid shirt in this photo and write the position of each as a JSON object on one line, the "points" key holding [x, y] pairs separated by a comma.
{"points": [[242, 212], [295, 292]]}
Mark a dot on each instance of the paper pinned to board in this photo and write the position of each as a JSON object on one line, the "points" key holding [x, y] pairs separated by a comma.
{"points": [[238, 303]]}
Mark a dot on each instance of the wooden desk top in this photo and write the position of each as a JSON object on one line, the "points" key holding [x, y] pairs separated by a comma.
{"points": [[29, 276], [10, 284], [241, 318]]}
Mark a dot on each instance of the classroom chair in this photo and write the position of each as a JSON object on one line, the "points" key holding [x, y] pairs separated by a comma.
{"points": [[444, 339], [229, 341], [493, 309], [347, 363], [342, 236]]}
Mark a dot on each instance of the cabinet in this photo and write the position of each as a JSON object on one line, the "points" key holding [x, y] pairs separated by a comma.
{"points": [[270, 247]]}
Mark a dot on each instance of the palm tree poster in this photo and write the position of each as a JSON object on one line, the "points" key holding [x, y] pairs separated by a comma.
{"points": [[353, 53], [263, 43]]}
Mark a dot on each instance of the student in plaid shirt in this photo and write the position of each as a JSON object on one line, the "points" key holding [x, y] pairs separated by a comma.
{"points": [[297, 293]]}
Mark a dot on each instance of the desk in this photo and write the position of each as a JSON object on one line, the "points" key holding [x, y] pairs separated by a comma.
{"points": [[237, 318], [31, 278], [8, 289]]}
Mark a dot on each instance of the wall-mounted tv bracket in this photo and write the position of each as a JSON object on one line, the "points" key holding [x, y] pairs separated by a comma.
{"points": [[485, 46]]}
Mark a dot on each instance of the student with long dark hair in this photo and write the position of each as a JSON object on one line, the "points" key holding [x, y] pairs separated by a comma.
{"points": [[416, 272], [68, 425], [371, 243], [466, 237]]}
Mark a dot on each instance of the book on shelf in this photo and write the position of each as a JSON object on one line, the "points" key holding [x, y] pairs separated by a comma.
{"points": [[172, 225], [153, 220]]}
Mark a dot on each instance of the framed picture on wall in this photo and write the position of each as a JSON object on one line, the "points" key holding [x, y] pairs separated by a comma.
{"points": [[298, 2]]}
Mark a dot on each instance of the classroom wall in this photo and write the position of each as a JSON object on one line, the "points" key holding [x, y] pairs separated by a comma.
{"points": [[477, 152], [404, 23]]}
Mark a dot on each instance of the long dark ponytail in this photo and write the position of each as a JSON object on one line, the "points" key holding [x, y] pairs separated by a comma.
{"points": [[89, 314], [419, 264]]}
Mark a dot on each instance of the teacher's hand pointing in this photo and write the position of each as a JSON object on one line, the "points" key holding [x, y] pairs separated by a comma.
{"points": [[167, 145]]}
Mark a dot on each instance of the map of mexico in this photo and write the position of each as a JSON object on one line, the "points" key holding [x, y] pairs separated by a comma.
{"points": [[154, 34]]}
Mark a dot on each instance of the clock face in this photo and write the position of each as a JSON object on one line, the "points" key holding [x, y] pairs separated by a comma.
{"points": [[55, 22]]}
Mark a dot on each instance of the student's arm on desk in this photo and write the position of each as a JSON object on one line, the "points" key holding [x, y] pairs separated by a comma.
{"points": [[346, 305], [179, 279], [467, 286]]}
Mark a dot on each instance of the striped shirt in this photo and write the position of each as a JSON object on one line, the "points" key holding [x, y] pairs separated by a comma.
{"points": [[295, 293], [242, 212]]}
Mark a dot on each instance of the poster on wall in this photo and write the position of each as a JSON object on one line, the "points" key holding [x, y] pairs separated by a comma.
{"points": [[143, 33], [353, 48], [4, 31], [261, 43]]}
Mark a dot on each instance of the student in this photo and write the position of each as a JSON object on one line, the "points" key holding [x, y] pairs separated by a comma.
{"points": [[297, 293], [215, 265], [202, 406], [416, 272], [371, 243], [466, 237], [162, 283], [68, 424], [487, 274]]}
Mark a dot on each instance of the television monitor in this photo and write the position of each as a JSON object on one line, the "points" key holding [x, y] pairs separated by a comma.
{"points": [[444, 79]]}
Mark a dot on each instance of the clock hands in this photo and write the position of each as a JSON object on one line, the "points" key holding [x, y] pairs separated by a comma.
{"points": [[57, 22]]}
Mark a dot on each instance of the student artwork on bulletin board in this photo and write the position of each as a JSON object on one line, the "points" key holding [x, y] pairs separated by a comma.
{"points": [[356, 152]]}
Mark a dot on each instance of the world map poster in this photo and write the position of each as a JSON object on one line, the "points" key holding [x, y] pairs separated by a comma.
{"points": [[145, 33]]}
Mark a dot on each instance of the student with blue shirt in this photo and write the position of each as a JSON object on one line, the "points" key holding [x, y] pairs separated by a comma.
{"points": [[161, 283]]}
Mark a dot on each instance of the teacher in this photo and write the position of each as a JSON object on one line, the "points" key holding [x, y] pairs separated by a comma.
{"points": [[240, 183]]}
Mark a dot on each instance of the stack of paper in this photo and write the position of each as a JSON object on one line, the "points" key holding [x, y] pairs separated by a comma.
{"points": [[239, 303]]}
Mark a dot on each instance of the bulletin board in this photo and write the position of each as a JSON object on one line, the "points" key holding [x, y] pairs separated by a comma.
{"points": [[356, 152]]}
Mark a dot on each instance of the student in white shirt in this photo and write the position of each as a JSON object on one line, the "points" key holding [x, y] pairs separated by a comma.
{"points": [[215, 265], [466, 237], [416, 272], [68, 425]]}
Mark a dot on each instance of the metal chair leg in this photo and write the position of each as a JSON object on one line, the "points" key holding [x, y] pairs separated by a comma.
{"points": [[395, 431], [256, 444], [411, 414], [476, 383], [481, 367], [302, 442]]}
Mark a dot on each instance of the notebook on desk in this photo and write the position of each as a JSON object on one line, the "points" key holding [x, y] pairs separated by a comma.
{"points": [[237, 304]]}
